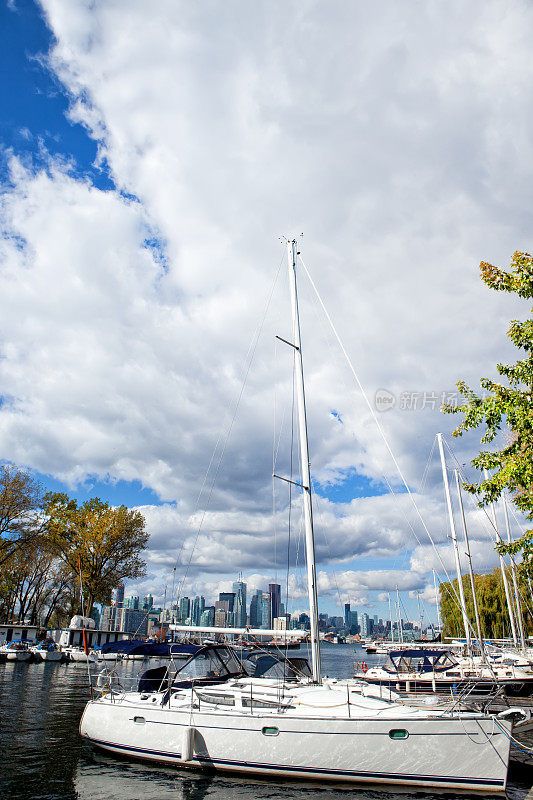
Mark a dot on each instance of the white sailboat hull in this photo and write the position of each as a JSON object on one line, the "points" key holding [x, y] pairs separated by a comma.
{"points": [[446, 752]]}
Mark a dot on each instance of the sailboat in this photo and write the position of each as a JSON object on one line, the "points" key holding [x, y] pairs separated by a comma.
{"points": [[218, 713]]}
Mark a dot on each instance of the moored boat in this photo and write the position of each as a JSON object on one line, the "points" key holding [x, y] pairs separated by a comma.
{"points": [[16, 650], [47, 651]]}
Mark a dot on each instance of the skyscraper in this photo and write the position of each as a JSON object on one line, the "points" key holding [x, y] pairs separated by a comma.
{"points": [[198, 605], [274, 590], [228, 597], [184, 609], [347, 618], [256, 606], [148, 602], [239, 607], [119, 596], [266, 610]]}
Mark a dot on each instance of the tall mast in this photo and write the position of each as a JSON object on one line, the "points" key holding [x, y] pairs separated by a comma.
{"points": [[454, 542], [419, 612], [390, 620], [515, 581], [292, 254], [504, 573], [469, 559], [400, 626], [437, 601]]}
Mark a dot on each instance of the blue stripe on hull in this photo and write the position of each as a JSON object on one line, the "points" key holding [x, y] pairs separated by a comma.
{"points": [[388, 776]]}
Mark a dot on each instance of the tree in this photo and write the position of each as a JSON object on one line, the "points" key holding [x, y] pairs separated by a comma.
{"points": [[509, 405], [107, 542], [20, 504], [492, 606]]}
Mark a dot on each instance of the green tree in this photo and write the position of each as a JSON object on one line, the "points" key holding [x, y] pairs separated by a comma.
{"points": [[506, 405], [108, 543], [492, 606]]}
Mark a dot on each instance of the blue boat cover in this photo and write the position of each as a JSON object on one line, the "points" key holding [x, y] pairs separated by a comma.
{"points": [[428, 660], [136, 647]]}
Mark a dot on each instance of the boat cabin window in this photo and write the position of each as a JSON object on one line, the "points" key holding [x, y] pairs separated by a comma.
{"points": [[211, 663], [254, 702], [216, 699], [269, 665]]}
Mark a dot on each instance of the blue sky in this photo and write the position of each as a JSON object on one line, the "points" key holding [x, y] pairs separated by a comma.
{"points": [[150, 162]]}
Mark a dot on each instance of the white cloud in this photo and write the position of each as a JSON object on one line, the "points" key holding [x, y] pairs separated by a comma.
{"points": [[398, 139]]}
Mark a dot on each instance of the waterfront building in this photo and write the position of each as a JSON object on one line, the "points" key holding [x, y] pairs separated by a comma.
{"points": [[220, 618], [107, 618], [148, 602], [366, 629], [207, 617], [274, 590], [198, 605], [256, 606], [118, 600], [239, 609], [266, 614], [184, 609], [229, 598], [132, 621]]}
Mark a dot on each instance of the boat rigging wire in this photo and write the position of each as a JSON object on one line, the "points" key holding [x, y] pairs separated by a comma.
{"points": [[250, 356], [378, 425]]}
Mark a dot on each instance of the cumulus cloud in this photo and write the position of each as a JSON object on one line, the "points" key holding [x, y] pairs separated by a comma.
{"points": [[398, 139]]}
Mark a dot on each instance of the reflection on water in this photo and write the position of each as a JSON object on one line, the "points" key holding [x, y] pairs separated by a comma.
{"points": [[42, 756]]}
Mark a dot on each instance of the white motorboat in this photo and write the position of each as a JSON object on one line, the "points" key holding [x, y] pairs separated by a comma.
{"points": [[79, 656], [16, 651], [212, 714], [47, 651]]}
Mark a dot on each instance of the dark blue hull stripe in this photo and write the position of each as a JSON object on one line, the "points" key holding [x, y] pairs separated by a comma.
{"points": [[398, 776]]}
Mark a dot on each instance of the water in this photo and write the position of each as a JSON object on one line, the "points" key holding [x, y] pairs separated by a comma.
{"points": [[42, 757]]}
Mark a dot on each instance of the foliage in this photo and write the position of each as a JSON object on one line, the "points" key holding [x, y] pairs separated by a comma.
{"points": [[20, 520], [506, 405], [107, 542], [493, 614]]}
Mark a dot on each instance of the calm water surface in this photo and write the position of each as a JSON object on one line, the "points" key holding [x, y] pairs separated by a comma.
{"points": [[43, 757]]}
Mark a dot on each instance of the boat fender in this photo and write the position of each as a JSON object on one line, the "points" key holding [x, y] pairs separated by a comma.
{"points": [[187, 744], [515, 714], [364, 666]]}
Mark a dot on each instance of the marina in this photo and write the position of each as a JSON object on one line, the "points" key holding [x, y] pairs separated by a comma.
{"points": [[40, 708]]}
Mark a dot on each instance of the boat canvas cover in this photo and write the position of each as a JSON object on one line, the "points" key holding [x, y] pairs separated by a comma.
{"points": [[419, 661], [134, 647]]}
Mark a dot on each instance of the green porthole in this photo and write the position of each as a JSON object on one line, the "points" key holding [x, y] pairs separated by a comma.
{"points": [[398, 733], [270, 731]]}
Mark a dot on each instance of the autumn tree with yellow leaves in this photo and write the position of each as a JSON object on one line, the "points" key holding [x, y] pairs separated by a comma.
{"points": [[103, 543]]}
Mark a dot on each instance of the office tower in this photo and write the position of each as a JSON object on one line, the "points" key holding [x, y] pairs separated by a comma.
{"points": [[133, 603], [266, 610], [198, 605], [228, 597], [119, 596], [148, 602], [304, 621], [365, 625], [207, 617], [220, 618], [256, 609], [274, 590], [347, 617], [132, 621], [184, 609], [239, 609]]}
